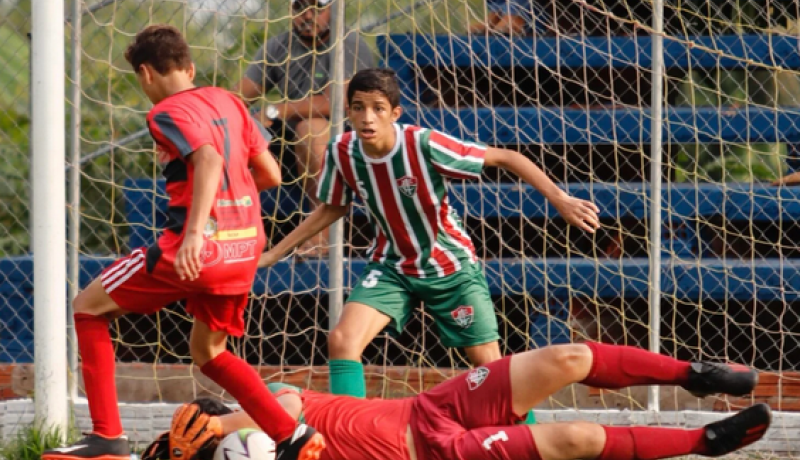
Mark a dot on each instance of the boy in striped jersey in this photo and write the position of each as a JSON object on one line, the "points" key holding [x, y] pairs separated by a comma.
{"points": [[420, 250]]}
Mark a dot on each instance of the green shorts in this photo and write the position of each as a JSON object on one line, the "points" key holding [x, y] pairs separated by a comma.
{"points": [[459, 303]]}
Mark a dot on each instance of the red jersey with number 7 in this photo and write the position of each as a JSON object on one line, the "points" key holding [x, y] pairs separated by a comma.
{"points": [[181, 124]]}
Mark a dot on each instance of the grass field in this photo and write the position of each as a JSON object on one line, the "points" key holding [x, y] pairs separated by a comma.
{"points": [[30, 442]]}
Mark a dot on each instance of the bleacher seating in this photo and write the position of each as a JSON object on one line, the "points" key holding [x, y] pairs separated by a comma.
{"points": [[681, 203], [688, 273]]}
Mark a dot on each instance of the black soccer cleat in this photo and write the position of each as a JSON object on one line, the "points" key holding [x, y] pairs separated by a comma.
{"points": [[304, 444], [710, 378], [737, 431], [93, 446]]}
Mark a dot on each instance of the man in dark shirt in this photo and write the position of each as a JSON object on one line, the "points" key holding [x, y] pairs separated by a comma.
{"points": [[297, 64]]}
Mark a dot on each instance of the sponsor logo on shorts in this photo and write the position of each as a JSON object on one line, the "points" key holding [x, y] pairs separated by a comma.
{"points": [[241, 251], [407, 185], [230, 252], [463, 316], [476, 377], [243, 201]]}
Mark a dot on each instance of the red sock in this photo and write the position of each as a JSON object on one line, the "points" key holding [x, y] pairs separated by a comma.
{"points": [[97, 366], [617, 366], [650, 443], [245, 385]]}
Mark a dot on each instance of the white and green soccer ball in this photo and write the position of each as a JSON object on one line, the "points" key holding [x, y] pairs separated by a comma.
{"points": [[246, 444]]}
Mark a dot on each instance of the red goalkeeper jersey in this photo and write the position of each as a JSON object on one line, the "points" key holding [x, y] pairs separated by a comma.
{"points": [[358, 429], [181, 124], [355, 429]]}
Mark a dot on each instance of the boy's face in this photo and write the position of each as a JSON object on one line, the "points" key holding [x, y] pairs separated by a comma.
{"points": [[373, 117]]}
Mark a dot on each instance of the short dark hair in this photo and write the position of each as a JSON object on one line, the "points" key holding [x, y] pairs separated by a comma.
{"points": [[382, 81], [162, 46], [212, 406]]}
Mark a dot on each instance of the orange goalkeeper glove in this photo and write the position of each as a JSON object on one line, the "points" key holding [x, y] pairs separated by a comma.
{"points": [[191, 431]]}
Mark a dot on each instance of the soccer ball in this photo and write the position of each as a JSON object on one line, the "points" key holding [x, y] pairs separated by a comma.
{"points": [[247, 444]]}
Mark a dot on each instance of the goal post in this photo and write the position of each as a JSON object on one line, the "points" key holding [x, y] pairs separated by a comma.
{"points": [[49, 212]]}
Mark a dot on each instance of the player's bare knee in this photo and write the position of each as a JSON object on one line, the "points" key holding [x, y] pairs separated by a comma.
{"points": [[343, 345], [572, 361], [581, 439], [81, 305], [92, 301]]}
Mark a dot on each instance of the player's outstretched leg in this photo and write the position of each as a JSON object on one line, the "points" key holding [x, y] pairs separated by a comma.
{"points": [[537, 374], [615, 366], [581, 440]]}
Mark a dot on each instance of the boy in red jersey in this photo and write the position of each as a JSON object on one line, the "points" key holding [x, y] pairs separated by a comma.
{"points": [[216, 163], [472, 416]]}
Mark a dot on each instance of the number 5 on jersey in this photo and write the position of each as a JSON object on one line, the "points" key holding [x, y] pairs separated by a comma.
{"points": [[372, 279], [362, 190]]}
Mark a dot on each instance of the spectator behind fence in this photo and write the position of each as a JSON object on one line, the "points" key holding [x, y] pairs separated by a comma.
{"points": [[512, 17], [296, 63]]}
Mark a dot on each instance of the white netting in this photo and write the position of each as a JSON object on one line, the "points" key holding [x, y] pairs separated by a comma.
{"points": [[572, 91]]}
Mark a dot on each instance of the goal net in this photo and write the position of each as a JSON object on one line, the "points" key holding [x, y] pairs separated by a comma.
{"points": [[568, 83]]}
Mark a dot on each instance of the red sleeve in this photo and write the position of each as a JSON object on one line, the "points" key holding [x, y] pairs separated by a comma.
{"points": [[176, 132], [259, 137]]}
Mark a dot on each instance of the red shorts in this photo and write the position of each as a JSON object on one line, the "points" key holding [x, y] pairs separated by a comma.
{"points": [[137, 287], [471, 417]]}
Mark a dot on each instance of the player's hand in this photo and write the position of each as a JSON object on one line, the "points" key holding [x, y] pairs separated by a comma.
{"points": [[188, 262], [577, 212], [267, 259], [191, 431]]}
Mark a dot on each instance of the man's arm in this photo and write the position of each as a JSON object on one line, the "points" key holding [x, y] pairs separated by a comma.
{"points": [[581, 213], [320, 219], [207, 163], [314, 106], [247, 90], [258, 77]]}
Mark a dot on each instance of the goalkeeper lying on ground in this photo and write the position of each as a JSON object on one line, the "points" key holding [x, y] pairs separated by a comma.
{"points": [[474, 415]]}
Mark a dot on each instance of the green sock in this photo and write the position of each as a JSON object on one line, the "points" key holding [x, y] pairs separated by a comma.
{"points": [[529, 420], [347, 378]]}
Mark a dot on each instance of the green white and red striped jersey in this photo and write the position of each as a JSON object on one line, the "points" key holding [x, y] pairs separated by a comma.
{"points": [[415, 229]]}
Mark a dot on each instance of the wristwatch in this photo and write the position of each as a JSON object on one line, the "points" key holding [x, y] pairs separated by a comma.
{"points": [[271, 112]]}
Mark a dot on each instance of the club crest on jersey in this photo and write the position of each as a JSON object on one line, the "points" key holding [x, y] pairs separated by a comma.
{"points": [[476, 377], [407, 185], [463, 316]]}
